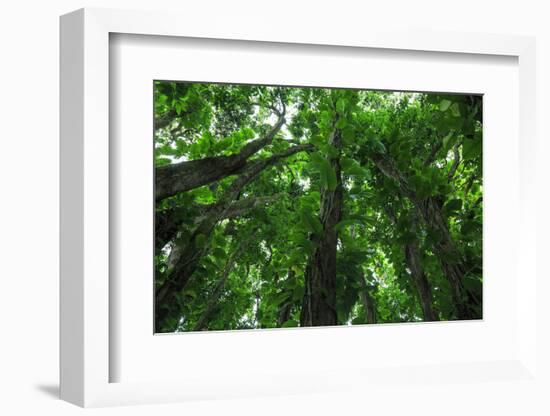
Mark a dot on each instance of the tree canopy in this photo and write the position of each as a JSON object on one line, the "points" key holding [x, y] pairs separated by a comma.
{"points": [[286, 207]]}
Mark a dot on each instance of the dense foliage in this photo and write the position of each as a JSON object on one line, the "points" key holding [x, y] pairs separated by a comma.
{"points": [[284, 207]]}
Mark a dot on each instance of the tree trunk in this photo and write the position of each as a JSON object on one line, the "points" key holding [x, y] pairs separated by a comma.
{"points": [[414, 265], [449, 257], [319, 303], [430, 210], [206, 315], [368, 303], [284, 312], [285, 309], [186, 264], [412, 259]]}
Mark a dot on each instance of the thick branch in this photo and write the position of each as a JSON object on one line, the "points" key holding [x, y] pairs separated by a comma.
{"points": [[168, 222], [193, 252], [184, 176], [388, 168], [319, 300], [165, 119]]}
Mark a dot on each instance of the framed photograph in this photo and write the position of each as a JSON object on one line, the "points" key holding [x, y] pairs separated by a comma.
{"points": [[285, 213]]}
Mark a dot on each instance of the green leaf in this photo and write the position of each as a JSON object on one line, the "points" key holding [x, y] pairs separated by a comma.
{"points": [[345, 223], [312, 222], [306, 244], [298, 293], [471, 148], [341, 106], [444, 105], [453, 205], [318, 141], [447, 141], [328, 176], [357, 170], [352, 168], [347, 163], [317, 159], [190, 292], [348, 135], [468, 227], [291, 323], [325, 118], [280, 298], [378, 146], [332, 181], [341, 123], [331, 151], [162, 161], [455, 110], [355, 190], [218, 252]]}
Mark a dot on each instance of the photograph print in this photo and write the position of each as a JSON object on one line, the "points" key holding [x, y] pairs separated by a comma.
{"points": [[284, 207]]}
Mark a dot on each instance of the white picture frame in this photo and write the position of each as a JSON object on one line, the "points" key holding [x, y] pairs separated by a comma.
{"points": [[135, 61], [86, 356]]}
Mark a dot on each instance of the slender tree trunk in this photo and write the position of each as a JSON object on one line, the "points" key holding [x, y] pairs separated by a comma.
{"points": [[284, 313], [285, 309], [319, 303], [430, 210], [414, 265], [206, 315], [190, 255], [168, 222], [368, 303], [449, 256], [412, 259]]}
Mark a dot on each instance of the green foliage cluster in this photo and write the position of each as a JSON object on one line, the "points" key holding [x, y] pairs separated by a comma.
{"points": [[411, 176]]}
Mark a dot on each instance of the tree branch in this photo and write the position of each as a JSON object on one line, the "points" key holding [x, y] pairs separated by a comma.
{"points": [[184, 176], [229, 265], [193, 252], [168, 222], [430, 211], [368, 302], [456, 161], [165, 119], [435, 150]]}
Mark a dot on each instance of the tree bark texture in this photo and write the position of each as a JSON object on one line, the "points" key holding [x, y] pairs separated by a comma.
{"points": [[319, 303], [368, 303], [285, 309], [412, 259], [414, 265], [430, 209], [184, 176], [195, 249], [169, 221], [206, 315]]}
